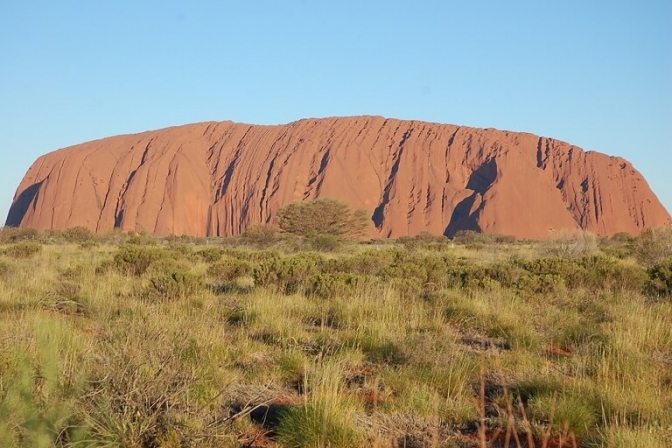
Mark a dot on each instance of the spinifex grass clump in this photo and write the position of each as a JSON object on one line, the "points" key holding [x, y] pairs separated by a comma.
{"points": [[325, 417], [172, 343]]}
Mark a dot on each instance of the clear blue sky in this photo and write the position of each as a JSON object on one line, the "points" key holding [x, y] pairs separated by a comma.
{"points": [[597, 74]]}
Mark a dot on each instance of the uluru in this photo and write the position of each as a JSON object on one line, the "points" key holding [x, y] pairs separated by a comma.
{"points": [[218, 178]]}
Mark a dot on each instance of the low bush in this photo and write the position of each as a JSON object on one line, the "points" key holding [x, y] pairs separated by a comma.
{"points": [[660, 279], [408, 288], [142, 240], [571, 244], [14, 235], [324, 242], [23, 249], [464, 275], [370, 262], [180, 251], [229, 269], [423, 241], [506, 274], [77, 235], [261, 235], [210, 254], [166, 264], [253, 256], [135, 260], [286, 274], [428, 269], [174, 286], [468, 237], [329, 286], [611, 274], [653, 246], [571, 273]]}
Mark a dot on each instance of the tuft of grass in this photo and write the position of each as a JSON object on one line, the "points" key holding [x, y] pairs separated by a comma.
{"points": [[325, 417]]}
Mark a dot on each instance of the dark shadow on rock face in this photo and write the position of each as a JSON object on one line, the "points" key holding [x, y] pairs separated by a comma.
{"points": [[481, 179], [20, 206], [461, 219], [479, 182]]}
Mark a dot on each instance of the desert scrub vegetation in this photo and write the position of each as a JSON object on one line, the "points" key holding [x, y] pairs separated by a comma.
{"points": [[136, 341]]}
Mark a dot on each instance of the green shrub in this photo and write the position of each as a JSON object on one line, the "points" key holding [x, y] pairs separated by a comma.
{"points": [[135, 260], [142, 240], [653, 246], [423, 241], [466, 276], [325, 242], [229, 269], [569, 271], [619, 245], [15, 234], [253, 256], [180, 251], [261, 235], [22, 250], [287, 274], [506, 274], [405, 269], [78, 235], [175, 286], [408, 288], [611, 274], [370, 262], [468, 237], [427, 269], [329, 286], [210, 254], [660, 279], [571, 244], [543, 284], [165, 264], [474, 238]]}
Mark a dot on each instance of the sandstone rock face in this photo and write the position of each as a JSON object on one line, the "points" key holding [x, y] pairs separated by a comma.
{"points": [[218, 178]]}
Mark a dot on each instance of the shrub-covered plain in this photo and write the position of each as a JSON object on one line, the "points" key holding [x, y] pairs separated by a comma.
{"points": [[132, 341]]}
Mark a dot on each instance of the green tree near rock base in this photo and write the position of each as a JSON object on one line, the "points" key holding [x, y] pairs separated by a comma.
{"points": [[324, 217]]}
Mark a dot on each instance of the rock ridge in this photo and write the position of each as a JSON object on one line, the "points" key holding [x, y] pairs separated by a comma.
{"points": [[217, 178]]}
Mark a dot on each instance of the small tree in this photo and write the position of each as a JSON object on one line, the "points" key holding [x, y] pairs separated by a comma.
{"points": [[261, 234], [324, 217]]}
